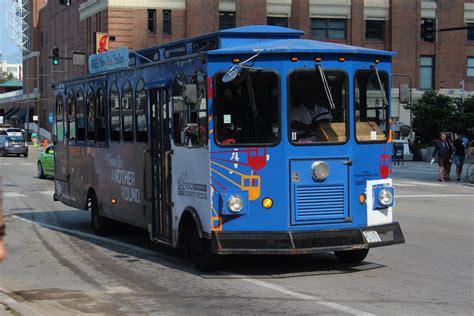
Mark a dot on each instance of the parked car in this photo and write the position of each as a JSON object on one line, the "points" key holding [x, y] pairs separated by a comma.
{"points": [[13, 145], [15, 131], [45, 164]]}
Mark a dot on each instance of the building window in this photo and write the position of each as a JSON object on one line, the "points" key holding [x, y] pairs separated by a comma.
{"points": [[426, 72], [328, 28], [42, 39], [226, 20], [166, 22], [152, 21], [470, 66], [422, 29], [375, 29], [277, 21], [470, 31]]}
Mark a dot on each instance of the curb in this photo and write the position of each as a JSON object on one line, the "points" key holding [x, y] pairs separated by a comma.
{"points": [[13, 306]]}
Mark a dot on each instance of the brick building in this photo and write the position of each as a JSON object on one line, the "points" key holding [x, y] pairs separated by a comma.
{"points": [[382, 24]]}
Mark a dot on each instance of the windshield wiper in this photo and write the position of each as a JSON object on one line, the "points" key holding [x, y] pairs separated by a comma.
{"points": [[327, 89], [384, 97]]}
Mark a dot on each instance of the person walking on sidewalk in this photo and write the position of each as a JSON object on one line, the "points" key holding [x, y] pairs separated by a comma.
{"points": [[460, 152], [3, 251], [443, 151]]}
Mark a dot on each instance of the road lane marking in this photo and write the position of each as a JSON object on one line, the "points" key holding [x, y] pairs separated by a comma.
{"points": [[45, 192], [424, 183], [305, 297], [12, 194], [271, 286], [403, 185], [78, 233], [433, 195], [5, 164]]}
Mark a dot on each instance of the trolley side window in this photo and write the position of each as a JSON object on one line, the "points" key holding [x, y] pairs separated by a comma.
{"points": [[190, 117], [81, 123], [127, 113], [71, 109], [141, 131], [246, 109], [371, 112], [100, 116], [114, 113], [318, 113], [90, 105], [59, 117]]}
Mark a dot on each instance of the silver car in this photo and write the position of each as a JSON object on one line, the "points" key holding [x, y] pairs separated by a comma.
{"points": [[13, 145]]}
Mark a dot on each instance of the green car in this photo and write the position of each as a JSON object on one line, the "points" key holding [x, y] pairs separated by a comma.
{"points": [[46, 162]]}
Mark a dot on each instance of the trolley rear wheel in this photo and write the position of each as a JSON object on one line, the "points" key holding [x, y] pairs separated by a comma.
{"points": [[352, 256]]}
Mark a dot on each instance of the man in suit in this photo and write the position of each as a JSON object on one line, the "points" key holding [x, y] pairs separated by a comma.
{"points": [[444, 151]]}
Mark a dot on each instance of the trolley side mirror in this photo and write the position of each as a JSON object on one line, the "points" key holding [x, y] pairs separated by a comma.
{"points": [[190, 94]]}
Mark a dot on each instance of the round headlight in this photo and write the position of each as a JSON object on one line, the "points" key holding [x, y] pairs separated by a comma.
{"points": [[385, 197], [320, 170], [235, 204]]}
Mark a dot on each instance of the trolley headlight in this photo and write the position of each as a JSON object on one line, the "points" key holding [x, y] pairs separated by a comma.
{"points": [[385, 197], [320, 170], [235, 204]]}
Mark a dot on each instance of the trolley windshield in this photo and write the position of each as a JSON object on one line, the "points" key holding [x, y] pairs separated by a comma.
{"points": [[246, 109]]}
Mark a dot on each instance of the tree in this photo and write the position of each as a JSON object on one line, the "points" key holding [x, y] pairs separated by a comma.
{"points": [[5, 76], [434, 113]]}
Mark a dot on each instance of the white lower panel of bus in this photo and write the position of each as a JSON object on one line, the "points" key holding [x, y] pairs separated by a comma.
{"points": [[377, 217]]}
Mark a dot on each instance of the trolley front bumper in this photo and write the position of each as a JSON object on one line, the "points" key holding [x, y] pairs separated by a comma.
{"points": [[271, 243]]}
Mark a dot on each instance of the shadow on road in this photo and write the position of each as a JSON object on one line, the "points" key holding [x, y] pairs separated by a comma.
{"points": [[77, 223]]}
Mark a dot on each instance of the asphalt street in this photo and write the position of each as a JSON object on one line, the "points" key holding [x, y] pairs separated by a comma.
{"points": [[56, 266]]}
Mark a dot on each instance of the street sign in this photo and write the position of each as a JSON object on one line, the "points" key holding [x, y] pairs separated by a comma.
{"points": [[78, 58], [51, 118]]}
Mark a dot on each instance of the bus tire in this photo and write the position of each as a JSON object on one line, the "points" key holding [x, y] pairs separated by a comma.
{"points": [[201, 254], [352, 256], [40, 171], [100, 224]]}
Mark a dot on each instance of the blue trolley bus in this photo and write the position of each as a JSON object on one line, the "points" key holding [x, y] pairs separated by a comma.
{"points": [[244, 141]]}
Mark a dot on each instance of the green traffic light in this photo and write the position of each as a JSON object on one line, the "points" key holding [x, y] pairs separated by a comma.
{"points": [[55, 61]]}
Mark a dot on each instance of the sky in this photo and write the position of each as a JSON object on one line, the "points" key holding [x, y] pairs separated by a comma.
{"points": [[10, 52]]}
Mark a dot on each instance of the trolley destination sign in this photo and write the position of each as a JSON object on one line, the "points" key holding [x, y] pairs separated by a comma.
{"points": [[109, 60]]}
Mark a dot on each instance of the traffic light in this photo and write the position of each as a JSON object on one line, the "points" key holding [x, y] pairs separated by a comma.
{"points": [[428, 30], [55, 56], [65, 2]]}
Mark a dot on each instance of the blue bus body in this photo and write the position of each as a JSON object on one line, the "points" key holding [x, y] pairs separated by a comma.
{"points": [[253, 157]]}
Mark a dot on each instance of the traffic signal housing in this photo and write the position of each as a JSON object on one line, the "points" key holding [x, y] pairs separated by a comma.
{"points": [[428, 30], [65, 2], [55, 56]]}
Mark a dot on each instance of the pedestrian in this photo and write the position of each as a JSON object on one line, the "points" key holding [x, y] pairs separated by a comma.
{"points": [[450, 160], [3, 251], [443, 152], [460, 152]]}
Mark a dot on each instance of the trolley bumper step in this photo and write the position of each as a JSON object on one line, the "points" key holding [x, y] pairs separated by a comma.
{"points": [[286, 243]]}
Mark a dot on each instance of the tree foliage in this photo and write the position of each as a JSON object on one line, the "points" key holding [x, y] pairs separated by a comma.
{"points": [[5, 76], [434, 113]]}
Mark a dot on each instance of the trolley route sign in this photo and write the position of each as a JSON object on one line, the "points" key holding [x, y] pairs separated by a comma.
{"points": [[109, 60]]}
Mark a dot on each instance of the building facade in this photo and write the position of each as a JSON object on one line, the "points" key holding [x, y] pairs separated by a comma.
{"points": [[382, 24]]}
